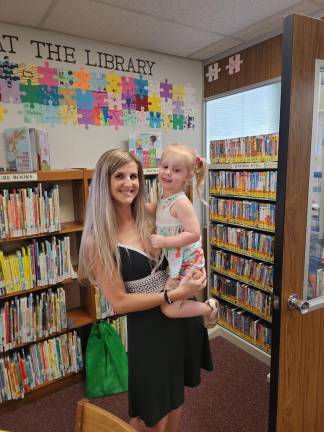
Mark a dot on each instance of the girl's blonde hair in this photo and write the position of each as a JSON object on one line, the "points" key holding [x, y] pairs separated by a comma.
{"points": [[196, 165], [99, 241]]}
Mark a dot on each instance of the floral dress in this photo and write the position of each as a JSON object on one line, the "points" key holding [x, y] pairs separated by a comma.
{"points": [[183, 258]]}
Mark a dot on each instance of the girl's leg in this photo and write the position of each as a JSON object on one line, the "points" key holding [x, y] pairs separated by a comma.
{"points": [[185, 309], [174, 420]]}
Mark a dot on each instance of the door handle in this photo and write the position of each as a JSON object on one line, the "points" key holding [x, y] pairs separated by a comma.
{"points": [[305, 306]]}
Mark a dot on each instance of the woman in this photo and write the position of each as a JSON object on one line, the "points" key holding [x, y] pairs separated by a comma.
{"points": [[164, 354]]}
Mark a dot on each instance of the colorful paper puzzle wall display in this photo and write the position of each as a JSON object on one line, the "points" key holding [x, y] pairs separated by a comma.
{"points": [[56, 96]]}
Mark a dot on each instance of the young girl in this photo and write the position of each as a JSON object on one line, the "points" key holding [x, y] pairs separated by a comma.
{"points": [[177, 227]]}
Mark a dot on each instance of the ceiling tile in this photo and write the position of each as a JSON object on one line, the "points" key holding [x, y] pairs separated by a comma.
{"points": [[227, 17], [116, 26], [17, 12], [215, 48], [167, 9], [275, 22]]}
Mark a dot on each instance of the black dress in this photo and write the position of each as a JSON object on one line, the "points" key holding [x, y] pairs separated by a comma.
{"points": [[164, 354]]}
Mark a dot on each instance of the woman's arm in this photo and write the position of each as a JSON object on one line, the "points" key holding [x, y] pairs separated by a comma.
{"points": [[185, 212], [123, 302]]}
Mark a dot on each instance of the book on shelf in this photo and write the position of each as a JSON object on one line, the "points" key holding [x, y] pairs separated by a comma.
{"points": [[43, 152], [146, 147], [20, 149]]}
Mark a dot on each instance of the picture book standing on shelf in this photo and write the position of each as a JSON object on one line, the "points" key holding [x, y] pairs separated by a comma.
{"points": [[146, 147], [20, 149]]}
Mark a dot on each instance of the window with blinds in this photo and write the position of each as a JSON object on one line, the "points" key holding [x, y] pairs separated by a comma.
{"points": [[251, 112]]}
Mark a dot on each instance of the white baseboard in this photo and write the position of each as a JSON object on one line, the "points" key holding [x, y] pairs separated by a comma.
{"points": [[240, 343]]}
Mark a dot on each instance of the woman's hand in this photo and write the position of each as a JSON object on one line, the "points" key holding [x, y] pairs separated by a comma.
{"points": [[190, 284]]}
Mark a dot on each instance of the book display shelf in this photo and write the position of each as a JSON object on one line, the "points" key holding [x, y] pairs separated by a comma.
{"points": [[242, 197], [44, 312]]}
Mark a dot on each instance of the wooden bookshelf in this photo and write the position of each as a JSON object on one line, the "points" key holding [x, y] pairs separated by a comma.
{"points": [[80, 302]]}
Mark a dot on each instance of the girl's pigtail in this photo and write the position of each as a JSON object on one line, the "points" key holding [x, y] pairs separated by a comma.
{"points": [[200, 173]]}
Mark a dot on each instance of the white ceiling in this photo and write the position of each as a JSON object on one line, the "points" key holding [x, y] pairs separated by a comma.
{"points": [[197, 29]]}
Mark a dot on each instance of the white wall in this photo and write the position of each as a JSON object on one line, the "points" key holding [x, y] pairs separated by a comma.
{"points": [[73, 145]]}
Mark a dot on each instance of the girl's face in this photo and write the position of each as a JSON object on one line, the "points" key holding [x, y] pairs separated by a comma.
{"points": [[173, 172], [124, 183]]}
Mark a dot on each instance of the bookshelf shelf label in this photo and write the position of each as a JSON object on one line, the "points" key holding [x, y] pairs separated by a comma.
{"points": [[18, 177]]}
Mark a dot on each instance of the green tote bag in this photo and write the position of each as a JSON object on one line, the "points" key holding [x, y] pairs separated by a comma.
{"points": [[106, 362]]}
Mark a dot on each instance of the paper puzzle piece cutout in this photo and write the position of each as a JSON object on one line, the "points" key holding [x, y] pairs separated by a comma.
{"points": [[178, 122], [166, 106], [8, 71], [141, 118], [85, 117], [97, 116], [116, 118], [113, 82], [67, 96], [154, 102], [178, 107], [51, 115], [69, 114], [153, 87], [3, 112], [234, 64], [105, 116], [129, 118], [47, 76], [127, 86], [100, 99], [27, 73], [82, 79], [129, 102], [141, 102], [141, 87], [189, 122], [178, 92], [155, 120], [50, 95], [115, 101], [190, 95], [213, 72], [65, 78], [10, 94], [188, 110], [98, 82], [30, 94], [167, 120], [166, 90], [33, 113], [84, 101]]}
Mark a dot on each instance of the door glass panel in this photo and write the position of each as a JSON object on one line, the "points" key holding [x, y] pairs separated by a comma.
{"points": [[314, 263]]}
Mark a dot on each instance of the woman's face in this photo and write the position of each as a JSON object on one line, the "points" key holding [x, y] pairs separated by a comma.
{"points": [[124, 184]]}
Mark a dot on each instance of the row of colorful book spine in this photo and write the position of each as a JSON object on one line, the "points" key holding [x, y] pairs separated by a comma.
{"points": [[245, 324], [152, 190], [23, 370], [36, 316], [242, 240], [261, 184], [249, 270], [246, 296], [257, 148], [260, 215], [40, 263], [29, 211]]}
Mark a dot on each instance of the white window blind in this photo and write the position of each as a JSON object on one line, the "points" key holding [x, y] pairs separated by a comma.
{"points": [[252, 112]]}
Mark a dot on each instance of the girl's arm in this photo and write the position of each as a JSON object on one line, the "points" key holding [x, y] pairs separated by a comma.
{"points": [[122, 302], [185, 212]]}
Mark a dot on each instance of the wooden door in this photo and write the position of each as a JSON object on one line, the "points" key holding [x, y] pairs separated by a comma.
{"points": [[297, 371]]}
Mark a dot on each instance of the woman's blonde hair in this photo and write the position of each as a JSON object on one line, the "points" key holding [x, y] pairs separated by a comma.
{"points": [[196, 165], [99, 241]]}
